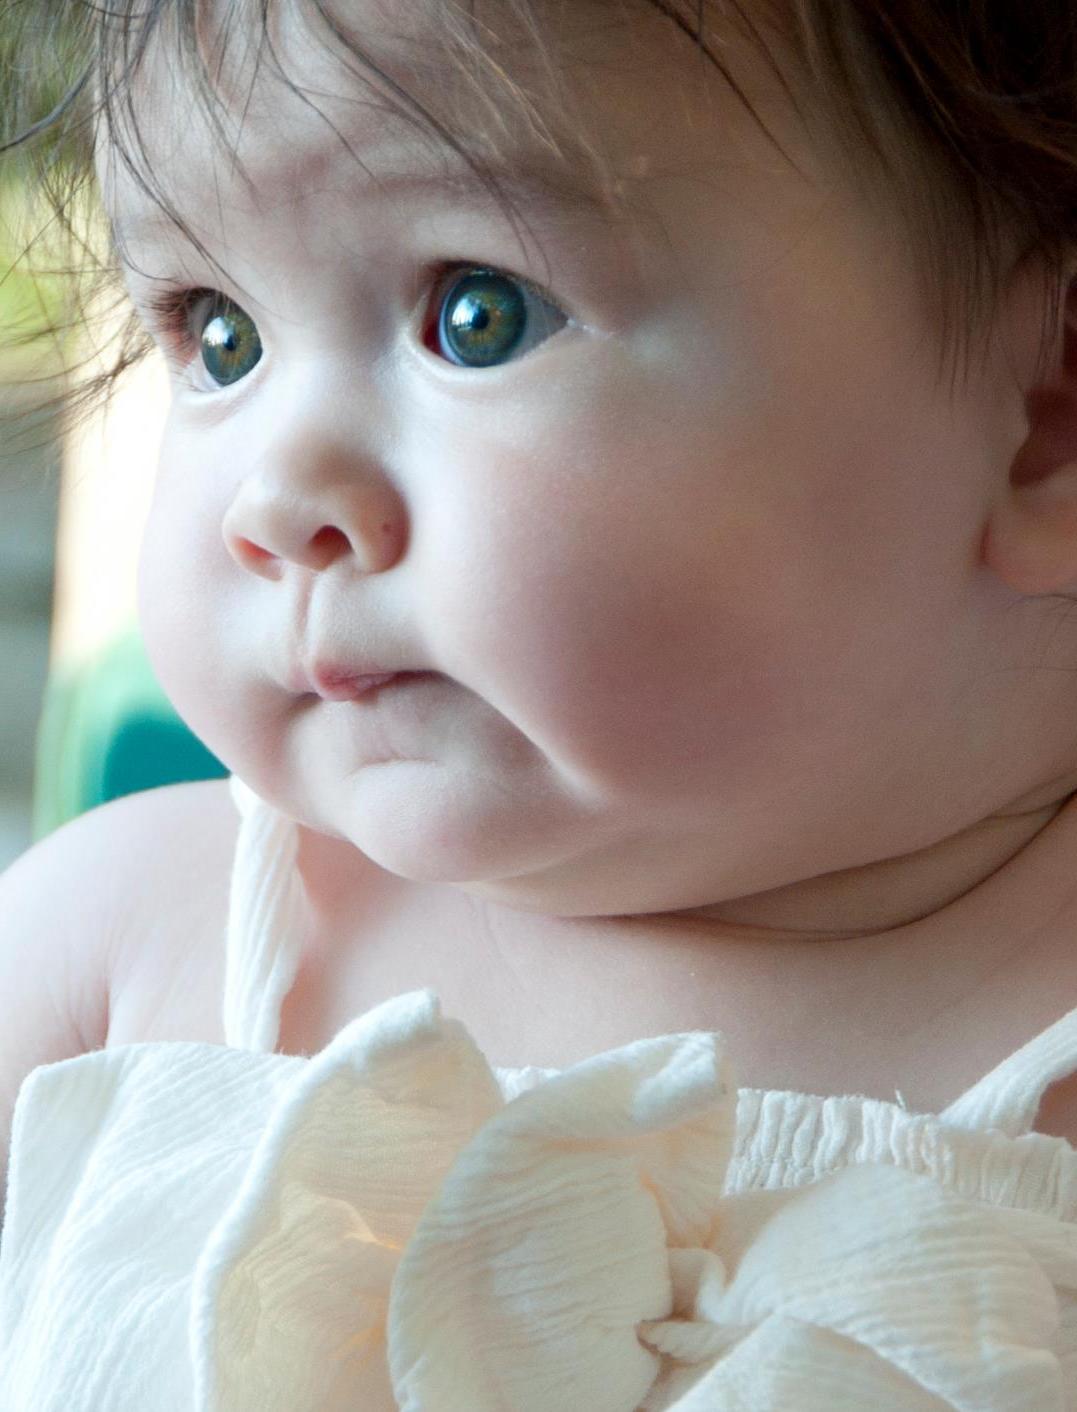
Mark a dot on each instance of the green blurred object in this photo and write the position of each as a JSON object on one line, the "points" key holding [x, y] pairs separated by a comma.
{"points": [[107, 729]]}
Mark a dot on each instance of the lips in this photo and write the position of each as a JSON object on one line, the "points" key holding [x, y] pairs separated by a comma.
{"points": [[333, 681], [337, 685]]}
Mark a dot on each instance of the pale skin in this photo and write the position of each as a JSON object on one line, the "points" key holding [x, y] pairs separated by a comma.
{"points": [[751, 709]]}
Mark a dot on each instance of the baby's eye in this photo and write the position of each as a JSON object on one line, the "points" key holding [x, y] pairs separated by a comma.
{"points": [[485, 317], [227, 337]]}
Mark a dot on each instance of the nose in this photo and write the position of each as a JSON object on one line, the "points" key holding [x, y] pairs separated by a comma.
{"points": [[312, 504]]}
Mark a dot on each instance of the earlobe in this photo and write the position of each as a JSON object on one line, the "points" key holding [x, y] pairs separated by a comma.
{"points": [[1030, 540]]}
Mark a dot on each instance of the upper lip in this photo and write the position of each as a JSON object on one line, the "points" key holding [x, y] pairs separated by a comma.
{"points": [[335, 680], [316, 664]]}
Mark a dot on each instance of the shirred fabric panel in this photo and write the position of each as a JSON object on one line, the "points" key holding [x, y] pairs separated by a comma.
{"points": [[384, 1226]]}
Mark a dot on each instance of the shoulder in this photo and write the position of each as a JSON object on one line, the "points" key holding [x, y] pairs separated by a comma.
{"points": [[74, 905], [162, 845], [77, 909], [173, 849]]}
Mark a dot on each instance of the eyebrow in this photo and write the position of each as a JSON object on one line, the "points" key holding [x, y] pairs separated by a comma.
{"points": [[538, 184]]}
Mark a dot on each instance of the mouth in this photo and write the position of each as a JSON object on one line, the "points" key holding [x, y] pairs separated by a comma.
{"points": [[345, 687], [333, 683]]}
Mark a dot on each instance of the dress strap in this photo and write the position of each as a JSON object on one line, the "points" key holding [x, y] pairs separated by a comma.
{"points": [[267, 921], [1009, 1096]]}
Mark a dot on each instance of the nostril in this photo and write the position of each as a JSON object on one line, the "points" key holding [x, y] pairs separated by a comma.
{"points": [[328, 544], [252, 554]]}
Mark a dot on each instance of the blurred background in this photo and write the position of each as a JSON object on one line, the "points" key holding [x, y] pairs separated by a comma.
{"points": [[30, 457], [29, 493], [82, 718], [29, 499]]}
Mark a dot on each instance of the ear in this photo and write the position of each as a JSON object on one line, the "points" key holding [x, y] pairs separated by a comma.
{"points": [[1031, 536]]}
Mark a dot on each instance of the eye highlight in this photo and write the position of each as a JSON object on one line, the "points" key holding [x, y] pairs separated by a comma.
{"points": [[205, 323], [483, 317], [230, 343]]}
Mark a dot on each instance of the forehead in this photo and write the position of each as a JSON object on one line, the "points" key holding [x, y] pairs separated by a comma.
{"points": [[584, 103], [284, 103]]}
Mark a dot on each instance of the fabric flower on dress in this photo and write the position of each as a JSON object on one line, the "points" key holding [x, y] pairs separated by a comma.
{"points": [[406, 1239]]}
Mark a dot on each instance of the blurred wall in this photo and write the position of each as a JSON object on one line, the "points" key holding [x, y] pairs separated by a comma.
{"points": [[109, 463], [29, 496]]}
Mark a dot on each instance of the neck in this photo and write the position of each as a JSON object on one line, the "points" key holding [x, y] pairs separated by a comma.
{"points": [[931, 971]]}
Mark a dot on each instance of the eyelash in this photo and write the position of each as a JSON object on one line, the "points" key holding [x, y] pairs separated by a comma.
{"points": [[171, 315], [171, 308]]}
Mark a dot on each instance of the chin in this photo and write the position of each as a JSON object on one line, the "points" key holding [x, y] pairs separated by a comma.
{"points": [[404, 859], [427, 846]]}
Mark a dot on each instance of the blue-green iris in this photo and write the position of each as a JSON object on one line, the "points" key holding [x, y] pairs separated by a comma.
{"points": [[483, 318], [230, 343]]}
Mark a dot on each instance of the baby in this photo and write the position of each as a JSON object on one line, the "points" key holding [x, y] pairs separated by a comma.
{"points": [[616, 521]]}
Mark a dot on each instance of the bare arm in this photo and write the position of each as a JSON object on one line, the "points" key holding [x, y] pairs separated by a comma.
{"points": [[87, 906], [57, 919]]}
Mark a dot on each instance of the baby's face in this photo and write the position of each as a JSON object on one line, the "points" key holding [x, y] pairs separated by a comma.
{"points": [[682, 540]]}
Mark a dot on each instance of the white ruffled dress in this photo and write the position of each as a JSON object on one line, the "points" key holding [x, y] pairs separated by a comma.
{"points": [[392, 1224]]}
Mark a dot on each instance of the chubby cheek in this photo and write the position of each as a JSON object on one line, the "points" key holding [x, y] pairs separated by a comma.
{"points": [[182, 607], [608, 621]]}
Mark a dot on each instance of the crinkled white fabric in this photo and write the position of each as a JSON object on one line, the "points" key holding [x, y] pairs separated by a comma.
{"points": [[393, 1225]]}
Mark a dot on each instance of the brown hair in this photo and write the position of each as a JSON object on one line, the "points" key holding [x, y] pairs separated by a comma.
{"points": [[961, 115]]}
